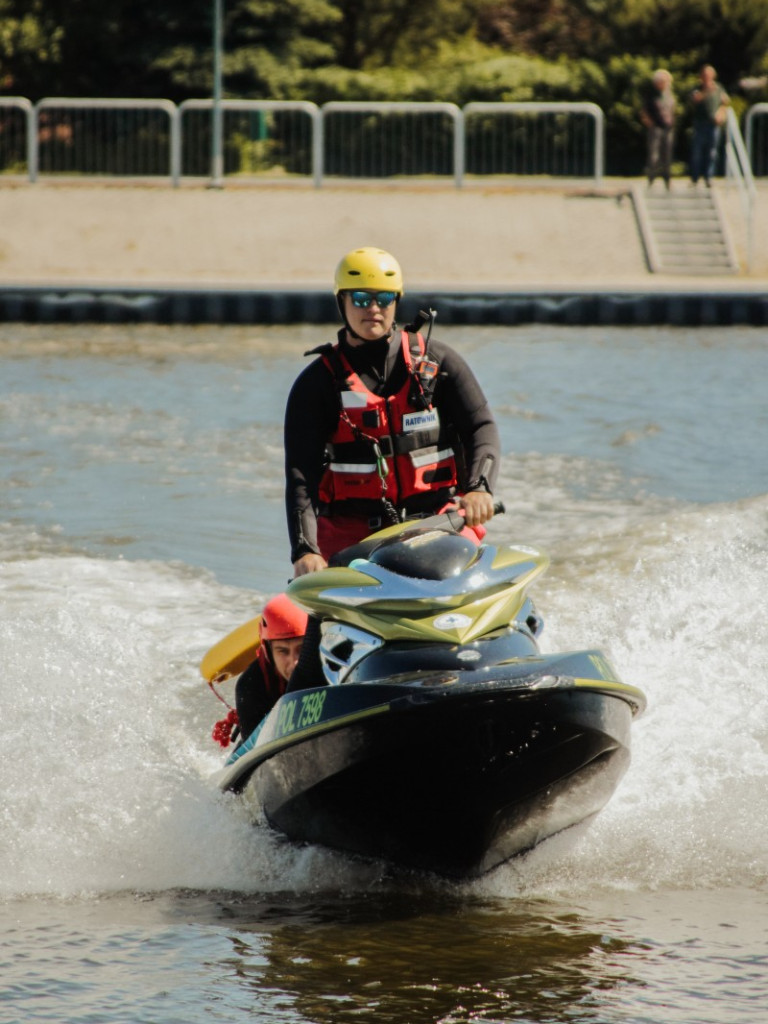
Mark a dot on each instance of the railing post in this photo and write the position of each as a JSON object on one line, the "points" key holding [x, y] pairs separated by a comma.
{"points": [[318, 147], [32, 144], [738, 165], [459, 148], [217, 158], [599, 117], [175, 156]]}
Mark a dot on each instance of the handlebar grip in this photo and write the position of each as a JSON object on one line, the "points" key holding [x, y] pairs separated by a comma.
{"points": [[456, 517]]}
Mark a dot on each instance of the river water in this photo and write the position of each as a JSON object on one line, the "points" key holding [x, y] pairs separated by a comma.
{"points": [[141, 519]]}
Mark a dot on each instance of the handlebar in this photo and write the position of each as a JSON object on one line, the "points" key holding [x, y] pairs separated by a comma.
{"points": [[452, 516], [455, 516]]}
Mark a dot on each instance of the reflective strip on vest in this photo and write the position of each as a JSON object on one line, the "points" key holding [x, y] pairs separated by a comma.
{"points": [[354, 399], [352, 467], [427, 457]]}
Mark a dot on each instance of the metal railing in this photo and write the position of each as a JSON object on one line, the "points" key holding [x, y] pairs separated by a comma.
{"points": [[267, 141], [738, 168], [126, 137], [390, 140], [18, 143], [756, 138], [552, 139]]}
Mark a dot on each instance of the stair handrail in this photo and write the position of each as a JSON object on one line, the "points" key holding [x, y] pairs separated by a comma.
{"points": [[647, 233], [739, 169]]}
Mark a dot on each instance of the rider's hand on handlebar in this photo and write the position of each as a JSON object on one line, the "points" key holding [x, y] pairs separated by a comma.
{"points": [[478, 507], [308, 563]]}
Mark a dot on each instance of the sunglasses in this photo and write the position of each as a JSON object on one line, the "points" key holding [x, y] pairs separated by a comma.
{"points": [[382, 299]]}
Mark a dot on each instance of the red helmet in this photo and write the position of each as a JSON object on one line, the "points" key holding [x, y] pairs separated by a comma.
{"points": [[281, 619]]}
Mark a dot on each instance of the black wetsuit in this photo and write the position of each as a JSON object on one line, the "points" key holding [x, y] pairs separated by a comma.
{"points": [[255, 696], [312, 414]]}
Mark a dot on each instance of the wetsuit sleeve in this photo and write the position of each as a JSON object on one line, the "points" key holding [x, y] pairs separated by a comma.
{"points": [[309, 670], [461, 401], [251, 699], [311, 414]]}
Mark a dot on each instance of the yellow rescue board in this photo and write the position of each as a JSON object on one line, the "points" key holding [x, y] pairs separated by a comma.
{"points": [[233, 654]]}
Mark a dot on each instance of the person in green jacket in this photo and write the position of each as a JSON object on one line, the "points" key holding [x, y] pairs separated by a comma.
{"points": [[710, 103]]}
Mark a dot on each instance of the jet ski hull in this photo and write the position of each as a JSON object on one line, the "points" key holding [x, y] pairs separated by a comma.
{"points": [[448, 775]]}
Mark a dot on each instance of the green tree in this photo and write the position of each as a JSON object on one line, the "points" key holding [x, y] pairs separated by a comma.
{"points": [[268, 43], [97, 47], [30, 44], [402, 33], [551, 28], [730, 34]]}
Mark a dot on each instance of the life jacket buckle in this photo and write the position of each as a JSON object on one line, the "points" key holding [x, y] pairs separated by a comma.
{"points": [[386, 447]]}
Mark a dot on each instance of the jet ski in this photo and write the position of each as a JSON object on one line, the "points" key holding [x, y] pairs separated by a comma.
{"points": [[439, 738]]}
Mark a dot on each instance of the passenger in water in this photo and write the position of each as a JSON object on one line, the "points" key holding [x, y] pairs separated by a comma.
{"points": [[281, 633], [258, 689]]}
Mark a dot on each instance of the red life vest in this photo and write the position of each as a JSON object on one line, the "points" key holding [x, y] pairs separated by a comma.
{"points": [[390, 447]]}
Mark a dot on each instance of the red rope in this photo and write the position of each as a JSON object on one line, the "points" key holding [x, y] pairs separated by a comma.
{"points": [[222, 730]]}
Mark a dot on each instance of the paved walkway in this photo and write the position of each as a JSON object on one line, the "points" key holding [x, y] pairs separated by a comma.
{"points": [[481, 238]]}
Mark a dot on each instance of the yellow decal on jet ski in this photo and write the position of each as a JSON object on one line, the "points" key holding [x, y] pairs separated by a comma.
{"points": [[603, 667]]}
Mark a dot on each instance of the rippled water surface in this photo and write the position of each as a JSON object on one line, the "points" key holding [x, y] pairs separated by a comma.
{"points": [[141, 518]]}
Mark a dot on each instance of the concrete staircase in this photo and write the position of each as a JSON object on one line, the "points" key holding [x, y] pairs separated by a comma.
{"points": [[683, 230]]}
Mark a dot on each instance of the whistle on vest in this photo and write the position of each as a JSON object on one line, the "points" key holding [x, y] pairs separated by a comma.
{"points": [[381, 462]]}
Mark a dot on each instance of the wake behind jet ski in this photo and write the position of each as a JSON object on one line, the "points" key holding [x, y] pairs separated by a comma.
{"points": [[440, 737]]}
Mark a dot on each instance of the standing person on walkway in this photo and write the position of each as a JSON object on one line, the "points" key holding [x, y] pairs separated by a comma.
{"points": [[383, 425], [710, 103], [658, 116]]}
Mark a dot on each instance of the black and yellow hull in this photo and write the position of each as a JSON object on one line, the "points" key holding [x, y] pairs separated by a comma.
{"points": [[452, 772]]}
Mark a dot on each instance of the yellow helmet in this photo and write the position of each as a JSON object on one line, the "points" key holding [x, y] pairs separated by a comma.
{"points": [[368, 268]]}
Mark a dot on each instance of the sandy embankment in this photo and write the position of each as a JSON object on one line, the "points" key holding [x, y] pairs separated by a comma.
{"points": [[477, 238]]}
